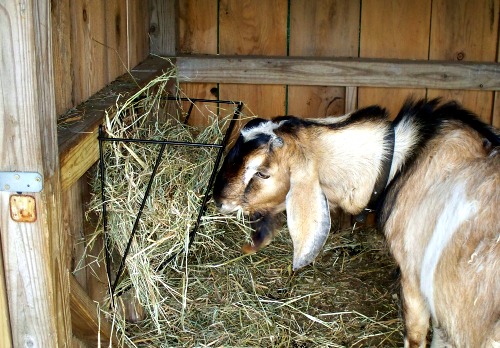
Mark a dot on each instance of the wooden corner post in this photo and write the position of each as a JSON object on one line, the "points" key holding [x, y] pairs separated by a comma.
{"points": [[33, 253]]}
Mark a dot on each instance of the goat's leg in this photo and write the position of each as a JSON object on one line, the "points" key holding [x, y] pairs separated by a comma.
{"points": [[415, 314], [438, 338]]}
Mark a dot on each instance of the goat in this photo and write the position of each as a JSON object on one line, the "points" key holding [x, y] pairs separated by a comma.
{"points": [[433, 177]]}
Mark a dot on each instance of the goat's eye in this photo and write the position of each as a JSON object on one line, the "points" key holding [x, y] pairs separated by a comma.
{"points": [[262, 175]]}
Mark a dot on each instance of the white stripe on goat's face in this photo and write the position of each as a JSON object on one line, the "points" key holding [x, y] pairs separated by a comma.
{"points": [[252, 168]]}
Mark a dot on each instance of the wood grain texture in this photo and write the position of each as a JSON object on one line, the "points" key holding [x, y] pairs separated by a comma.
{"points": [[88, 49], [88, 324], [315, 31], [249, 27], [73, 220], [339, 72], [116, 38], [496, 106], [138, 31], [5, 331], [198, 35], [465, 31], [78, 145], [398, 30], [163, 27], [61, 48], [37, 280]]}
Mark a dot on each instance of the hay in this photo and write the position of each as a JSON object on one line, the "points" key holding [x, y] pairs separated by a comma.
{"points": [[213, 295]]}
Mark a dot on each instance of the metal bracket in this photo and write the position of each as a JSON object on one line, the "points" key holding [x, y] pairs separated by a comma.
{"points": [[21, 182]]}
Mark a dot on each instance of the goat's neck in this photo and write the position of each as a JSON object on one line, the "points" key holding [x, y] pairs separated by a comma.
{"points": [[351, 160]]}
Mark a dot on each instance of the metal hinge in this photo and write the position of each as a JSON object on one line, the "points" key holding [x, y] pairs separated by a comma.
{"points": [[21, 182]]}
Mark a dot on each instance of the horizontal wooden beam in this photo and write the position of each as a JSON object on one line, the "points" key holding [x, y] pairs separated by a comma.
{"points": [[77, 130], [339, 72]]}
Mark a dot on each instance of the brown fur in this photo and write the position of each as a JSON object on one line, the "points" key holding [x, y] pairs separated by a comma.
{"points": [[440, 213]]}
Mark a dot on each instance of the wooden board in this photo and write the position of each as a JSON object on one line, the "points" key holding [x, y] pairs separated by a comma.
{"points": [[465, 31], [249, 27], [163, 27], [34, 253], [138, 32], [88, 324], [5, 334], [496, 106], [61, 52], [78, 145], [393, 29], [315, 29], [88, 49], [73, 220], [340, 72], [116, 38], [198, 35]]}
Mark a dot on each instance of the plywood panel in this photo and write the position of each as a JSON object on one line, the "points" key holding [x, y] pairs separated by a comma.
{"points": [[198, 35], [250, 28], [393, 29], [322, 29], [465, 31]]}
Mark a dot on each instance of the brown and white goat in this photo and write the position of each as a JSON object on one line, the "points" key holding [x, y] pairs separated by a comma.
{"points": [[436, 170]]}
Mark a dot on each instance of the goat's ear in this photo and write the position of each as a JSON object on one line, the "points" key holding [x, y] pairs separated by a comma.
{"points": [[308, 217]]}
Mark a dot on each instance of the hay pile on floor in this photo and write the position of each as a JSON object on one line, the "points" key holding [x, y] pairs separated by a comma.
{"points": [[213, 295]]}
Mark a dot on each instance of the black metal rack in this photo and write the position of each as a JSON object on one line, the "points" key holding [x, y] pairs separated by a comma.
{"points": [[163, 143]]}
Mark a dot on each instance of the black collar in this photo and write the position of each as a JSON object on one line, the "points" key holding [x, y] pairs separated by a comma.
{"points": [[383, 178]]}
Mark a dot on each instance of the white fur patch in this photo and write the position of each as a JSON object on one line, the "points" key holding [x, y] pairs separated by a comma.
{"points": [[457, 210], [266, 128], [406, 135], [252, 168]]}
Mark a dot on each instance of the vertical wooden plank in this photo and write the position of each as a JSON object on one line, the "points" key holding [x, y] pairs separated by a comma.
{"points": [[465, 31], [198, 35], [61, 48], [116, 38], [138, 31], [496, 106], [393, 29], [254, 27], [88, 50], [315, 30], [5, 332], [33, 253], [163, 27], [73, 221]]}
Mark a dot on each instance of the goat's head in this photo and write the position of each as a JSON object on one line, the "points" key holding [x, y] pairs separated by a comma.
{"points": [[269, 169]]}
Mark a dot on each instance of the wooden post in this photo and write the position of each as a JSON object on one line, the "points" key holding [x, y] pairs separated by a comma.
{"points": [[36, 278]]}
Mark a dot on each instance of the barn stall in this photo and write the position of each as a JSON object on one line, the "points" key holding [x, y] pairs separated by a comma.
{"points": [[64, 63]]}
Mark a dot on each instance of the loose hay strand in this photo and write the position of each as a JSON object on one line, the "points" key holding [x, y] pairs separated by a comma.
{"points": [[212, 295]]}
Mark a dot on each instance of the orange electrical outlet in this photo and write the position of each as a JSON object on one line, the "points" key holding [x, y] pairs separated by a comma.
{"points": [[22, 208]]}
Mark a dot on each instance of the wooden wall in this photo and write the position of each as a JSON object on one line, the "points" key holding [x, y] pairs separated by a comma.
{"points": [[444, 30], [94, 42]]}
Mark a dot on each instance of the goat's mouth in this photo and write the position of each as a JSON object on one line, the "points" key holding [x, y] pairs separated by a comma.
{"points": [[229, 207]]}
